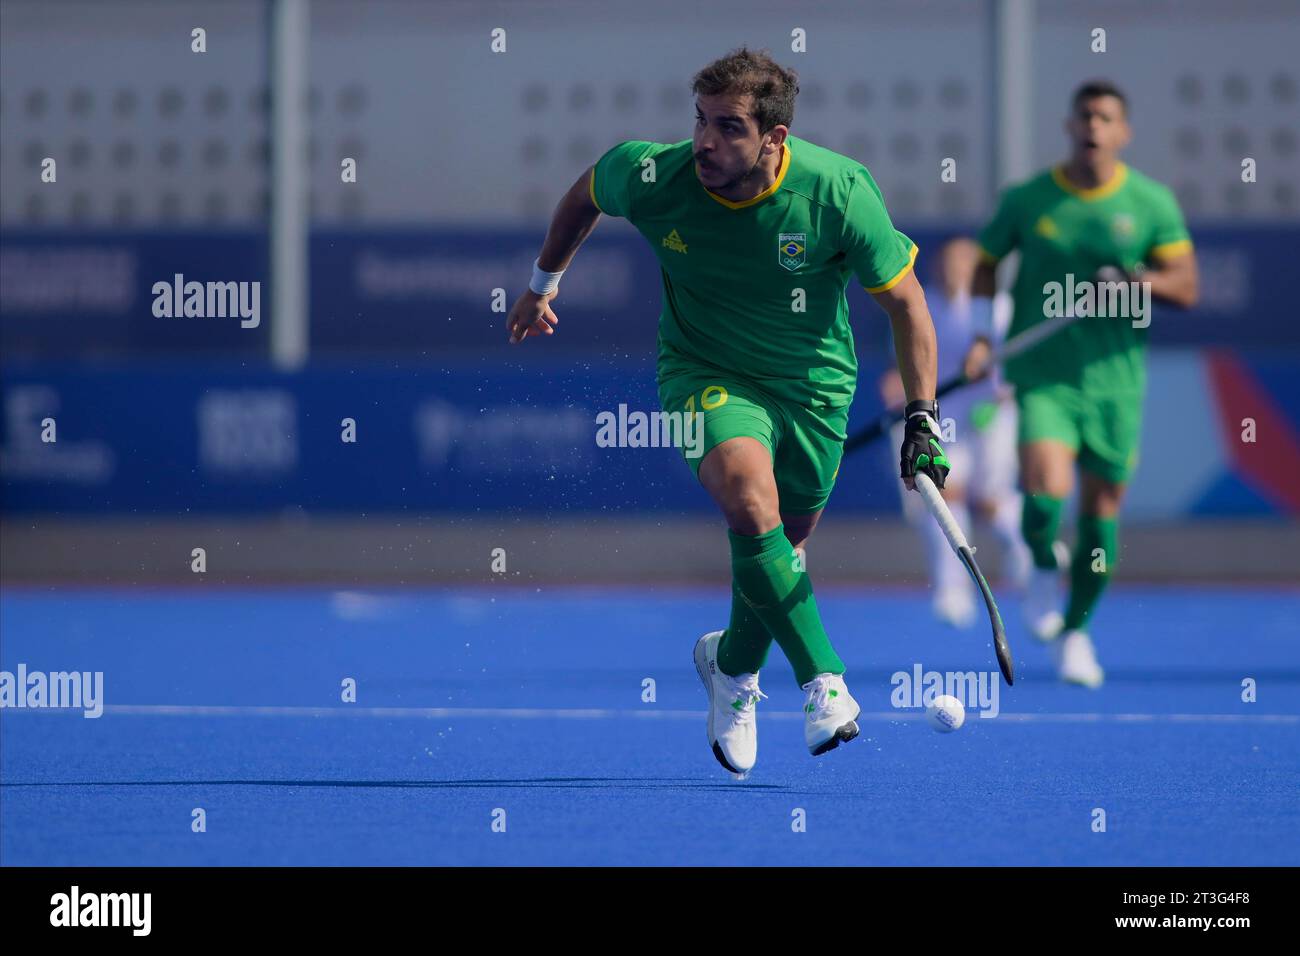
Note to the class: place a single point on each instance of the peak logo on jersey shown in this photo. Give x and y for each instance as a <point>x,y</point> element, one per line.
<point>674,242</point>
<point>1121,227</point>
<point>1046,228</point>
<point>792,249</point>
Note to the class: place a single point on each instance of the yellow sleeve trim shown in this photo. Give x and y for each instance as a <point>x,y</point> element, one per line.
<point>1170,250</point>
<point>987,257</point>
<point>911,260</point>
<point>591,188</point>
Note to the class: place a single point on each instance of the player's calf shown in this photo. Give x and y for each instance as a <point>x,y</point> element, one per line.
<point>1044,596</point>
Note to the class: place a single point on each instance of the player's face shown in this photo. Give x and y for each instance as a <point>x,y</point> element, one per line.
<point>727,144</point>
<point>1098,128</point>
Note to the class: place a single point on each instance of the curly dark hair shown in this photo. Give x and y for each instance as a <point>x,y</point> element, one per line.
<point>741,71</point>
<point>1095,88</point>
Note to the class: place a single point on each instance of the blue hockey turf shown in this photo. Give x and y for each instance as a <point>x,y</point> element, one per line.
<point>530,702</point>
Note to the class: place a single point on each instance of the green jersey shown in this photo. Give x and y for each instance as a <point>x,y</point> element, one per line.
<point>756,288</point>
<point>1062,231</point>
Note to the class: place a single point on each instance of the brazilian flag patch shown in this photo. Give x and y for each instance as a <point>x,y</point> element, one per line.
<point>792,249</point>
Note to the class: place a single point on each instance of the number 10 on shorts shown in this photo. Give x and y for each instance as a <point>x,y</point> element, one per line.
<point>710,398</point>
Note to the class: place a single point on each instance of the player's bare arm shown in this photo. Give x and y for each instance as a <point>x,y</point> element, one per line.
<point>917,356</point>
<point>914,343</point>
<point>575,217</point>
<point>1174,280</point>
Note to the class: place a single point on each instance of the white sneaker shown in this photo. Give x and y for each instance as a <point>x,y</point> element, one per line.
<point>955,606</point>
<point>1018,564</point>
<point>1076,661</point>
<point>830,714</point>
<point>1062,552</point>
<point>733,732</point>
<point>1043,600</point>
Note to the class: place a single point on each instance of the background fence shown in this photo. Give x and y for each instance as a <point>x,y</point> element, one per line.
<point>167,165</point>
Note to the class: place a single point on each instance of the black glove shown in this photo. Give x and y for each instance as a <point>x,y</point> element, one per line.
<point>921,449</point>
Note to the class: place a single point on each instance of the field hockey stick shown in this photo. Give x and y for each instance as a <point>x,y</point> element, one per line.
<point>935,503</point>
<point>1018,345</point>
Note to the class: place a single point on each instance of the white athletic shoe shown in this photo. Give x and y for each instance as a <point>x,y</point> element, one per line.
<point>1017,565</point>
<point>830,714</point>
<point>1062,552</point>
<point>733,732</point>
<point>1076,661</point>
<point>955,606</point>
<point>1043,601</point>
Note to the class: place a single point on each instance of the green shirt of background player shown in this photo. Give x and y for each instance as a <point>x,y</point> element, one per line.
<point>1089,220</point>
<point>757,234</point>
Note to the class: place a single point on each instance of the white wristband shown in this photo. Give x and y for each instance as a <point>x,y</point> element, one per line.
<point>543,282</point>
<point>935,430</point>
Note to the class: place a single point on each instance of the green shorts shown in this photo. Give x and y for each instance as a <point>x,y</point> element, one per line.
<point>1103,431</point>
<point>805,445</point>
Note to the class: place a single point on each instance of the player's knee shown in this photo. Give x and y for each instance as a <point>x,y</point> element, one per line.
<point>749,507</point>
<point>752,519</point>
<point>1100,497</point>
<point>1046,469</point>
<point>1045,482</point>
<point>1103,504</point>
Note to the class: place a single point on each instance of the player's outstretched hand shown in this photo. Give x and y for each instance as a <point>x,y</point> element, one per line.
<point>531,315</point>
<point>977,362</point>
<point>922,452</point>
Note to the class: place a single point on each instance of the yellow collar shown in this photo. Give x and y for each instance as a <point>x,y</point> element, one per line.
<point>776,184</point>
<point>1107,188</point>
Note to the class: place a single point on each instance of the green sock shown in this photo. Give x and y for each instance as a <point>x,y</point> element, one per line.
<point>743,648</point>
<point>1095,555</point>
<point>1038,524</point>
<point>763,569</point>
